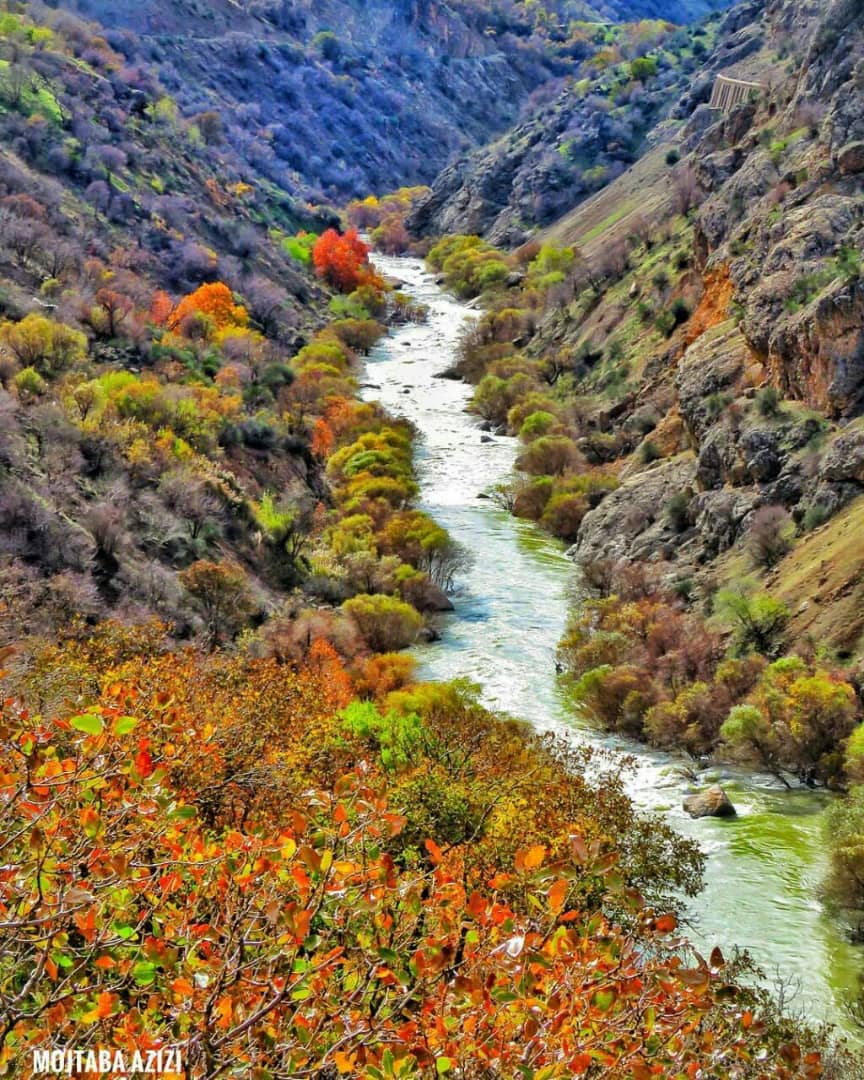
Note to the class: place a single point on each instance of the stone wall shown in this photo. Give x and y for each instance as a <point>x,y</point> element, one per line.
<point>728,93</point>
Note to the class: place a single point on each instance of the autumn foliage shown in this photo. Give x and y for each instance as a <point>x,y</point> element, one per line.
<point>343,261</point>
<point>643,665</point>
<point>211,854</point>
<point>214,301</point>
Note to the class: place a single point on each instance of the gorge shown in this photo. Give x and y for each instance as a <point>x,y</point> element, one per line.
<point>765,867</point>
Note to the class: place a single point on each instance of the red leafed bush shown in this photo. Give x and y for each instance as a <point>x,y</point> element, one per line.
<point>342,261</point>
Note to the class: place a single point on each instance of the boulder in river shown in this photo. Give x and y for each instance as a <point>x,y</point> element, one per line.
<point>434,599</point>
<point>712,802</point>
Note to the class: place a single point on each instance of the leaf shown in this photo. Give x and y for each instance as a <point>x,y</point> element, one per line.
<point>558,894</point>
<point>89,723</point>
<point>533,857</point>
<point>123,725</point>
<point>224,1012</point>
<point>76,895</point>
<point>182,987</point>
<point>144,764</point>
<point>103,1008</point>
<point>443,1065</point>
<point>144,972</point>
<point>604,1000</point>
<point>665,924</point>
<point>579,850</point>
<point>344,1062</point>
<point>435,853</point>
<point>90,821</point>
<point>86,923</point>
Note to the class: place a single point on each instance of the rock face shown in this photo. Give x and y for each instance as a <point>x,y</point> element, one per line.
<point>851,158</point>
<point>712,802</point>
<point>632,522</point>
<point>788,216</point>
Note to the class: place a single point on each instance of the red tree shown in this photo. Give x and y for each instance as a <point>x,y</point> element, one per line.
<point>343,261</point>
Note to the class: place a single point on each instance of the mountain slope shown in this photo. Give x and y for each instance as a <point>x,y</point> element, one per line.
<point>756,382</point>
<point>343,98</point>
<point>702,345</point>
<point>137,434</point>
<point>586,133</point>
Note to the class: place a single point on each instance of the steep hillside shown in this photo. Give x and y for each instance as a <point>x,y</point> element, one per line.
<point>586,132</point>
<point>710,320</point>
<point>343,98</point>
<point>165,378</point>
<point>771,359</point>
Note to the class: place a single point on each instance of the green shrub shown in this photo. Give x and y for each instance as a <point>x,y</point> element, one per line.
<point>536,425</point>
<point>757,620</point>
<point>768,401</point>
<point>299,247</point>
<point>396,736</point>
<point>665,323</point>
<point>643,68</point>
<point>815,516</point>
<point>678,509</point>
<point>29,383</point>
<point>386,623</point>
<point>680,311</point>
<point>648,452</point>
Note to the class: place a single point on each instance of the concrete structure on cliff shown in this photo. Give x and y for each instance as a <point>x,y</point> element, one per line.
<point>728,93</point>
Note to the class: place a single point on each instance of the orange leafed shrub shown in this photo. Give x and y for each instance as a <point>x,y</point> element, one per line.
<point>323,439</point>
<point>343,261</point>
<point>130,911</point>
<point>161,307</point>
<point>216,302</point>
<point>212,854</point>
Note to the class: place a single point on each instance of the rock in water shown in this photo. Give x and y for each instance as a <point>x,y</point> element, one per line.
<point>712,802</point>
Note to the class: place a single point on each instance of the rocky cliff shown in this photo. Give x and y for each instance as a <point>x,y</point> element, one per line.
<point>766,380</point>
<point>583,137</point>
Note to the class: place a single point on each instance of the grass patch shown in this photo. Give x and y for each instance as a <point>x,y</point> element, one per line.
<point>35,97</point>
<point>611,220</point>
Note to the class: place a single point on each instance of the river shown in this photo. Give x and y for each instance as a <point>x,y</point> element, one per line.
<point>764,867</point>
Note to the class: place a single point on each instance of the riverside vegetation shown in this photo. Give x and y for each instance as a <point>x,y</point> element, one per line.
<point>233,819</point>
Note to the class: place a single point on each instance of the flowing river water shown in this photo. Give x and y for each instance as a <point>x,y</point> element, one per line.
<point>763,867</point>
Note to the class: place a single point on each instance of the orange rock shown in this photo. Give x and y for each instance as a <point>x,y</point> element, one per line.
<point>713,308</point>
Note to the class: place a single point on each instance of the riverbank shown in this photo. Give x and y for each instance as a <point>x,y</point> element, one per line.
<point>764,868</point>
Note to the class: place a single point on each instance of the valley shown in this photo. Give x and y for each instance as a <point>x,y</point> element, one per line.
<point>431,488</point>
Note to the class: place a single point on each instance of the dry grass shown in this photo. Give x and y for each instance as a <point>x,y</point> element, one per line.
<point>644,191</point>
<point>822,582</point>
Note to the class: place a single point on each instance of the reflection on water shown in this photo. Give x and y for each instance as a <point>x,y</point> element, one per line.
<point>764,867</point>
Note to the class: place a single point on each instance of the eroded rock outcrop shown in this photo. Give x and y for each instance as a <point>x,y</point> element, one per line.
<point>632,522</point>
